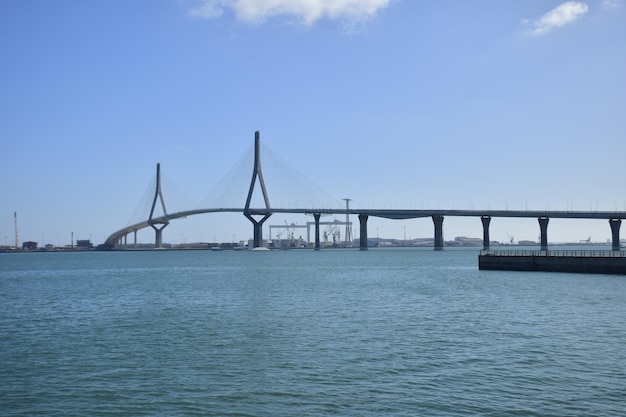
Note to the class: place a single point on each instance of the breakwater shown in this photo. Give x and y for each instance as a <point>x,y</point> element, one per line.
<point>577,261</point>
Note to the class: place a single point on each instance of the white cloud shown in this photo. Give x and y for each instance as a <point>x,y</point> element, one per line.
<point>562,15</point>
<point>612,4</point>
<point>306,12</point>
<point>207,10</point>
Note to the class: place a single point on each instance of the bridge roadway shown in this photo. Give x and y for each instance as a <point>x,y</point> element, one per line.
<point>543,216</point>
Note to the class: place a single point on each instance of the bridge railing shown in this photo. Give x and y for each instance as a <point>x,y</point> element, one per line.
<point>557,253</point>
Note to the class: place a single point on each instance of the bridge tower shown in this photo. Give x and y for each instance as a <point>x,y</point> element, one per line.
<point>257,173</point>
<point>158,225</point>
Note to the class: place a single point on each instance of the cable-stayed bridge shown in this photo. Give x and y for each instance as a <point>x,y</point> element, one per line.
<point>292,193</point>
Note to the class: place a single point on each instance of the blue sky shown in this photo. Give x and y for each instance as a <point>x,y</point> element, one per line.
<point>395,104</point>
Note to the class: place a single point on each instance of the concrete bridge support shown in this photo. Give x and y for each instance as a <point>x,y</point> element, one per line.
<point>438,222</point>
<point>317,216</point>
<point>486,220</point>
<point>363,235</point>
<point>615,225</point>
<point>257,225</point>
<point>543,228</point>
<point>158,238</point>
<point>158,235</point>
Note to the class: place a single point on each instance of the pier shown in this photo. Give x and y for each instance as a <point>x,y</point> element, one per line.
<point>576,261</point>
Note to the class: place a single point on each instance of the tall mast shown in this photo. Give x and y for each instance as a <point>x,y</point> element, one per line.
<point>15,226</point>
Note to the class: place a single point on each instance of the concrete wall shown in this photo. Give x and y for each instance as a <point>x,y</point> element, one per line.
<point>589,265</point>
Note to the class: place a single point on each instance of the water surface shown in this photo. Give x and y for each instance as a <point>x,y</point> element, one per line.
<point>336,332</point>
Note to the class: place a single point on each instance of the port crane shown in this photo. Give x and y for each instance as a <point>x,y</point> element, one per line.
<point>332,232</point>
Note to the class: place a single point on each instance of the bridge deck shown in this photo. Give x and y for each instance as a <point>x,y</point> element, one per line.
<point>396,214</point>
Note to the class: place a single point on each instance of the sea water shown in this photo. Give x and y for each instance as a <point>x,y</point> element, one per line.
<point>384,332</point>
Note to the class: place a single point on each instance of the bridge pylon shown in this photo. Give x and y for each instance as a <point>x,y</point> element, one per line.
<point>257,173</point>
<point>158,224</point>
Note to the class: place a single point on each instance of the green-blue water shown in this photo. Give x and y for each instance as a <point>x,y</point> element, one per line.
<point>305,333</point>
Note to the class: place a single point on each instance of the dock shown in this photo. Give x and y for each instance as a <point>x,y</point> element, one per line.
<point>573,261</point>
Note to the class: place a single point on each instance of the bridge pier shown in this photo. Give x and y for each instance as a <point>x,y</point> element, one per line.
<point>158,234</point>
<point>363,233</point>
<point>257,225</point>
<point>486,220</point>
<point>615,225</point>
<point>158,238</point>
<point>317,216</point>
<point>543,228</point>
<point>438,223</point>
